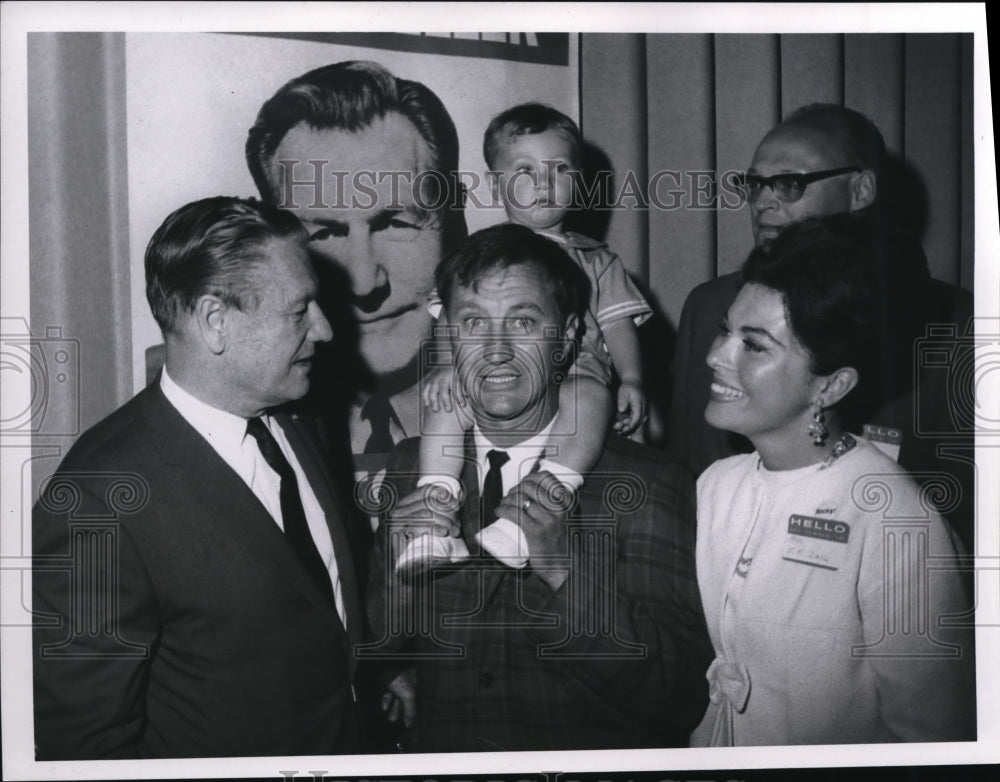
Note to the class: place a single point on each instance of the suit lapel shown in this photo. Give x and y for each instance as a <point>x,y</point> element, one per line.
<point>210,483</point>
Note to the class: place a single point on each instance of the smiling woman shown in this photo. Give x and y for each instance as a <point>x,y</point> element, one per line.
<point>802,580</point>
<point>763,384</point>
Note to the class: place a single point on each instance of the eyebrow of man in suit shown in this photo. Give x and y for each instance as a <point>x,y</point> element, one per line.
<point>190,625</point>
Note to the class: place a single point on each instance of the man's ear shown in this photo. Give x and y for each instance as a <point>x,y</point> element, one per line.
<point>442,332</point>
<point>211,316</point>
<point>837,385</point>
<point>864,188</point>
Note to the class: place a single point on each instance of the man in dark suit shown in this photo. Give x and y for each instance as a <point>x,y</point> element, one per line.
<point>825,159</point>
<point>195,588</point>
<point>589,634</point>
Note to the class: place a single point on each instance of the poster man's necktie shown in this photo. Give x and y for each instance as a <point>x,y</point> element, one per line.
<point>378,412</point>
<point>293,517</point>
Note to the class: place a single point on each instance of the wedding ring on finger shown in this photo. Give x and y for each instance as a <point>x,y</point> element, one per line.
<point>525,505</point>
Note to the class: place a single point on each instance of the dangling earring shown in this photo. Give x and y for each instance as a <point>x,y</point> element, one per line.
<point>817,429</point>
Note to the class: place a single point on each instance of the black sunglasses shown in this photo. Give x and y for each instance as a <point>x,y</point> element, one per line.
<point>787,187</point>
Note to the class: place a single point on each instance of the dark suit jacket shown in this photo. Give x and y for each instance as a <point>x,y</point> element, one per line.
<point>615,658</point>
<point>173,618</point>
<point>921,404</point>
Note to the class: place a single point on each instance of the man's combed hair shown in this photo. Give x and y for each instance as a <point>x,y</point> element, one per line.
<point>857,134</point>
<point>206,247</point>
<point>347,96</point>
<point>852,296</point>
<point>529,119</point>
<point>506,245</point>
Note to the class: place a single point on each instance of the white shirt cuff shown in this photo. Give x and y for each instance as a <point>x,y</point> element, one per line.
<point>571,478</point>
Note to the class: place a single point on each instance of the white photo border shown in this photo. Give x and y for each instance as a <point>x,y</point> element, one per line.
<point>20,18</point>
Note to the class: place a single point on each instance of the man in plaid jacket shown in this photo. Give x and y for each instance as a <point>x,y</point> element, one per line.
<point>589,633</point>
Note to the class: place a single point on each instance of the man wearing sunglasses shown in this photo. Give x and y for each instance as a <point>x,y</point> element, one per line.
<point>826,159</point>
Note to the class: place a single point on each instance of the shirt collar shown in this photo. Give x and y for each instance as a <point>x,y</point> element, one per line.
<point>574,240</point>
<point>223,430</point>
<point>523,456</point>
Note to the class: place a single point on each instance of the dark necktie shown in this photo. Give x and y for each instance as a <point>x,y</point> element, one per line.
<point>378,413</point>
<point>293,517</point>
<point>493,487</point>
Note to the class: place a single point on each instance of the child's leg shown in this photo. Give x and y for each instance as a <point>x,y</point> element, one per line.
<point>582,423</point>
<point>442,440</point>
<point>441,446</point>
<point>442,430</point>
<point>575,442</point>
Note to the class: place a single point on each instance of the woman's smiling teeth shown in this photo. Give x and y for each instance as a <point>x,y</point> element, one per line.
<point>726,392</point>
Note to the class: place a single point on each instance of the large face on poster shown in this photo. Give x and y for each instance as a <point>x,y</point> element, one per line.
<point>364,154</point>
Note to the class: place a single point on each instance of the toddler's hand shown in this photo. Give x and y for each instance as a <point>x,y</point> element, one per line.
<point>437,390</point>
<point>631,408</point>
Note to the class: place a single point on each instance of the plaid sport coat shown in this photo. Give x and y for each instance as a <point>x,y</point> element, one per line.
<point>615,658</point>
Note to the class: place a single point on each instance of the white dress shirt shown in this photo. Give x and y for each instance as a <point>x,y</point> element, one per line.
<point>504,538</point>
<point>524,457</point>
<point>227,434</point>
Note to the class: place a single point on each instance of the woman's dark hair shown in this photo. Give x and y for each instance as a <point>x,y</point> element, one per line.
<point>853,297</point>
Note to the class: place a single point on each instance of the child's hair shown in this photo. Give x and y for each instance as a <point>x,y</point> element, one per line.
<point>528,119</point>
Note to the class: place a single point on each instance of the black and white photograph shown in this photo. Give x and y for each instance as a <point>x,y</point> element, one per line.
<point>388,393</point>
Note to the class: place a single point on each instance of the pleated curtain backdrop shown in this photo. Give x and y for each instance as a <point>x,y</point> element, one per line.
<point>78,217</point>
<point>77,235</point>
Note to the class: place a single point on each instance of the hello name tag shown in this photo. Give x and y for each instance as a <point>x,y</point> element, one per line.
<point>885,438</point>
<point>815,541</point>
